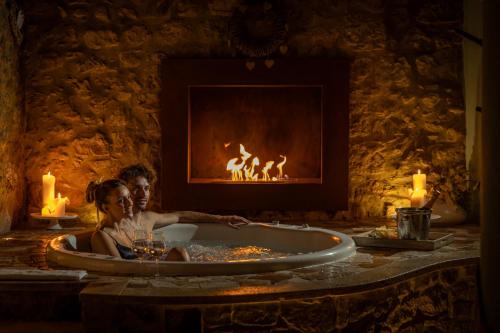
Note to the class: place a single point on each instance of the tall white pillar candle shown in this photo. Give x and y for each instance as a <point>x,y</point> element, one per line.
<point>419,181</point>
<point>418,198</point>
<point>48,189</point>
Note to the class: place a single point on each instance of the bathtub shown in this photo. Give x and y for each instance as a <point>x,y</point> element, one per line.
<point>313,245</point>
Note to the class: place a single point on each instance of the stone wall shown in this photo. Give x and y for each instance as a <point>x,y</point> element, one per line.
<point>11,121</point>
<point>444,300</point>
<point>92,87</point>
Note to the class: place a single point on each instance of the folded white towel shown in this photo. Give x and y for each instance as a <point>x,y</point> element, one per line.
<point>38,274</point>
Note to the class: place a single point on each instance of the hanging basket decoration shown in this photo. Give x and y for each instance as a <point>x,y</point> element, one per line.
<point>257,30</point>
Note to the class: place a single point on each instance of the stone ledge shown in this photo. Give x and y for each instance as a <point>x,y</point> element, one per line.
<point>424,301</point>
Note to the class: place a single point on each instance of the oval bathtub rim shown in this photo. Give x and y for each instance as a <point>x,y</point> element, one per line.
<point>100,263</point>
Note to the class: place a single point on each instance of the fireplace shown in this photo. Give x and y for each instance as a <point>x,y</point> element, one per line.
<point>240,135</point>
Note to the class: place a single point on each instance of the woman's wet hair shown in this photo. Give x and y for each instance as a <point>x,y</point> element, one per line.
<point>98,192</point>
<point>137,170</point>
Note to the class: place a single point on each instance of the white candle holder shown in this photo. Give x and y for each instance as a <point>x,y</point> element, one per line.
<point>53,220</point>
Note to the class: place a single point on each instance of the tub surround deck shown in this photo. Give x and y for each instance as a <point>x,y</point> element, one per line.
<point>381,287</point>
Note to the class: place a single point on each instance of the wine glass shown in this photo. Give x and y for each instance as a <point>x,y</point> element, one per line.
<point>140,243</point>
<point>156,249</point>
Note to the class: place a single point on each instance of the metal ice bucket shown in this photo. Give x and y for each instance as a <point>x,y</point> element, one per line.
<point>413,223</point>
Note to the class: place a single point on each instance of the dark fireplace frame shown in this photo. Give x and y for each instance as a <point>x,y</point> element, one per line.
<point>177,75</point>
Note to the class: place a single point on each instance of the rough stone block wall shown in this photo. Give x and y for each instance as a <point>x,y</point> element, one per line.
<point>11,122</point>
<point>92,87</point>
<point>444,300</point>
<point>440,301</point>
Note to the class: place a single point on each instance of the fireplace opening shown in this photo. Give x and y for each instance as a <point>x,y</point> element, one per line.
<point>238,137</point>
<point>255,134</point>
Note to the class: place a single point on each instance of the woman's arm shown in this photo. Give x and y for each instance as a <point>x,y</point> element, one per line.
<point>103,244</point>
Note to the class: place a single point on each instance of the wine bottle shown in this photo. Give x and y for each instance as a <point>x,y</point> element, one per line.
<point>435,194</point>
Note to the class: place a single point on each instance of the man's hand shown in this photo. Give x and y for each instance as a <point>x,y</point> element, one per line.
<point>233,221</point>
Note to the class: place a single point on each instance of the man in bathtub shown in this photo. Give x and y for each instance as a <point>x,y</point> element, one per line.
<point>139,180</point>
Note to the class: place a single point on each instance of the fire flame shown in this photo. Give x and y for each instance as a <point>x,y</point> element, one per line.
<point>243,172</point>
<point>265,174</point>
<point>280,166</point>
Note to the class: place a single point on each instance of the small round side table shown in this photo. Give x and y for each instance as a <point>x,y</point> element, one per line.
<point>54,220</point>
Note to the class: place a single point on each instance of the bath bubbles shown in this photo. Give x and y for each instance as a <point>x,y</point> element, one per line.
<point>211,251</point>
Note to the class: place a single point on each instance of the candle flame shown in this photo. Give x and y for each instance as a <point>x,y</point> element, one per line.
<point>418,171</point>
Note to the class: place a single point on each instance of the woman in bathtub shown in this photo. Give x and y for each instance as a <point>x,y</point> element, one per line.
<point>115,233</point>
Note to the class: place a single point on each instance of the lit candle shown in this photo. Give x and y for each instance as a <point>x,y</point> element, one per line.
<point>49,182</point>
<point>50,209</point>
<point>419,181</point>
<point>47,211</point>
<point>418,198</point>
<point>60,205</point>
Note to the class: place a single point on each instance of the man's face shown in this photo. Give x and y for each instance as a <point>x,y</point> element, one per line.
<point>139,191</point>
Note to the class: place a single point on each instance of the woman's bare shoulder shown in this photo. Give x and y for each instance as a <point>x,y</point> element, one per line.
<point>100,235</point>
<point>102,243</point>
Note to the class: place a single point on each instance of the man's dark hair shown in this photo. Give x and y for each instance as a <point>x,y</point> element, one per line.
<point>132,171</point>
